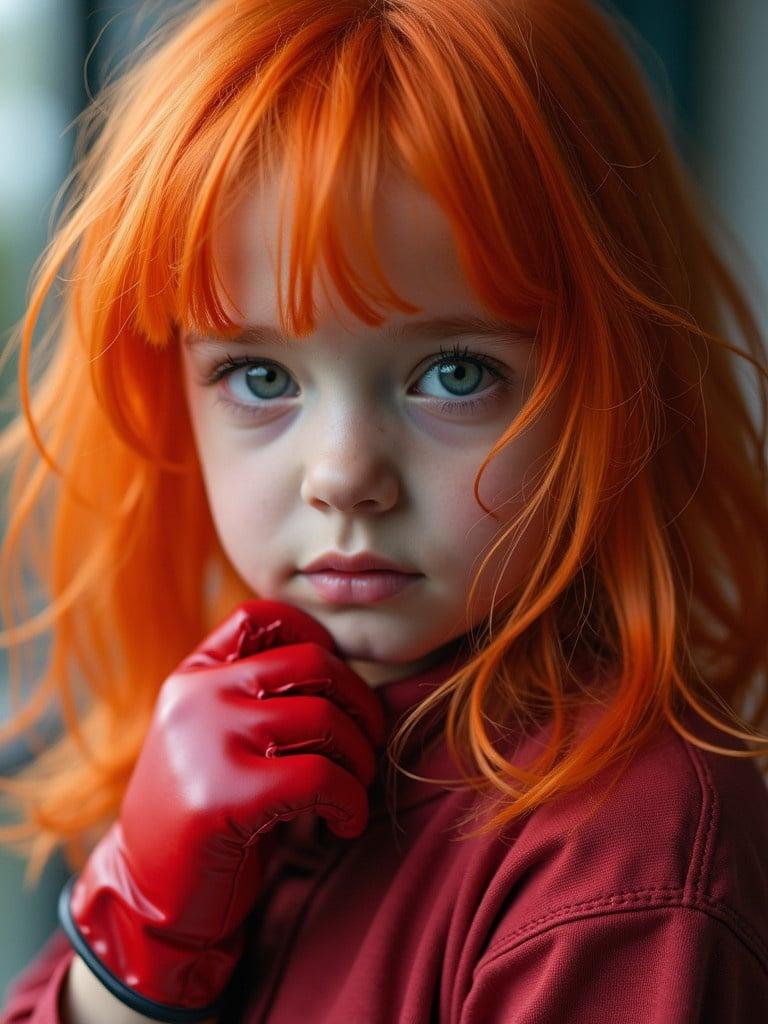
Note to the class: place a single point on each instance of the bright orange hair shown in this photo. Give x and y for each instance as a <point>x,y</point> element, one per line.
<point>532,126</point>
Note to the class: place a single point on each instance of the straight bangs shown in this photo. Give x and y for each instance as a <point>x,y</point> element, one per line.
<point>531,127</point>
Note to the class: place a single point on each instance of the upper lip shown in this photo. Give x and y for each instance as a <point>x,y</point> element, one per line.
<point>360,562</point>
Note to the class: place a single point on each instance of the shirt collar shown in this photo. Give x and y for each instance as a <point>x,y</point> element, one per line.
<point>398,697</point>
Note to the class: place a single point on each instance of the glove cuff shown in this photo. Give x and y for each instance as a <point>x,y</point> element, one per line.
<point>148,1007</point>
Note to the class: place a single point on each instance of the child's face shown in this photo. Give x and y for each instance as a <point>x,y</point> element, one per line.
<point>345,446</point>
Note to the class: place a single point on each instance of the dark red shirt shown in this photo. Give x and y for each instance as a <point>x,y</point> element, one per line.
<point>645,902</point>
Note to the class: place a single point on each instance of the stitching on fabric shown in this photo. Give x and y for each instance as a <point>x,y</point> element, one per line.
<point>667,897</point>
<point>704,835</point>
<point>714,804</point>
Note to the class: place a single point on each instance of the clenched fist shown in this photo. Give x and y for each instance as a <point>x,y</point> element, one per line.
<point>260,723</point>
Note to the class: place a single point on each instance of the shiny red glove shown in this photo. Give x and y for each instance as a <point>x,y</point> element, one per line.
<point>261,723</point>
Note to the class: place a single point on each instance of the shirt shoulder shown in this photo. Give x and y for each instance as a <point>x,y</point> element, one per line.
<point>669,964</point>
<point>674,825</point>
<point>653,871</point>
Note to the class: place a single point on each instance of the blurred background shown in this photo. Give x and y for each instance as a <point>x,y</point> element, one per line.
<point>706,65</point>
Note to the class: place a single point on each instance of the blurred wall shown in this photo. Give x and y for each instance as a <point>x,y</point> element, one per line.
<point>41,56</point>
<point>731,72</point>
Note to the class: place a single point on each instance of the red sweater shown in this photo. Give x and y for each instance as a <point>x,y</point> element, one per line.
<point>654,911</point>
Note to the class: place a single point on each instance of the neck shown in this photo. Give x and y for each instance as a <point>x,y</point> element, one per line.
<point>378,673</point>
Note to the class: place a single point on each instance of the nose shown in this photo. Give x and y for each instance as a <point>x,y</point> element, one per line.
<point>350,461</point>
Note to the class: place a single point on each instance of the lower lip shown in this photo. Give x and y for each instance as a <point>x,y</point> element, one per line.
<point>359,587</point>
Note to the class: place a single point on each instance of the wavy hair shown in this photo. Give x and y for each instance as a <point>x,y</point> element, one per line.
<point>532,126</point>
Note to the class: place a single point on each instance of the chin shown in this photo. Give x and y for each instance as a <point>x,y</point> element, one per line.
<point>376,673</point>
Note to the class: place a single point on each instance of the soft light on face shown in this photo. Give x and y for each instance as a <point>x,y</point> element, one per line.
<point>352,440</point>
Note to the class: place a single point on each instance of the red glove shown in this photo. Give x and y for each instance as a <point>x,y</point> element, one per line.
<point>158,910</point>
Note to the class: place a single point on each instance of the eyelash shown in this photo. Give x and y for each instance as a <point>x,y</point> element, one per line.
<point>230,364</point>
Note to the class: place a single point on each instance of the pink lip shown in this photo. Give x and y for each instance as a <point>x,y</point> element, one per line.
<point>359,587</point>
<point>362,561</point>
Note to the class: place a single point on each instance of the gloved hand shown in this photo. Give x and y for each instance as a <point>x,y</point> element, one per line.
<point>261,723</point>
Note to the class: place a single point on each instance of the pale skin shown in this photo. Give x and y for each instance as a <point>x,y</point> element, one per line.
<point>355,441</point>
<point>84,1000</point>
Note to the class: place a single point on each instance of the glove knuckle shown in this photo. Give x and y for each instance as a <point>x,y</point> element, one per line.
<point>320,772</point>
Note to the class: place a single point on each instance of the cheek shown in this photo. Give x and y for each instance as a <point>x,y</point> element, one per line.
<point>242,485</point>
<point>244,493</point>
<point>505,486</point>
<point>248,505</point>
<point>511,476</point>
<point>236,480</point>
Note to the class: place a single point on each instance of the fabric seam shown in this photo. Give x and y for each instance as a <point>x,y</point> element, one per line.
<point>719,912</point>
<point>691,897</point>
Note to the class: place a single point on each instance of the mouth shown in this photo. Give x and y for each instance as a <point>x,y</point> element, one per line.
<point>367,587</point>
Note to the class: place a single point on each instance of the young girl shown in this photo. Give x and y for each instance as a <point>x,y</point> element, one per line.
<point>487,506</point>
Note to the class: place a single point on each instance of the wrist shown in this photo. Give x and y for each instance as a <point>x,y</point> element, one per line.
<point>129,997</point>
<point>84,1000</point>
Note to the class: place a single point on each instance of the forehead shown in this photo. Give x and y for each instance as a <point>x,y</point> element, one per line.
<point>413,242</point>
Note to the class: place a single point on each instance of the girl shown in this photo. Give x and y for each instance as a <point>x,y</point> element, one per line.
<point>489,507</point>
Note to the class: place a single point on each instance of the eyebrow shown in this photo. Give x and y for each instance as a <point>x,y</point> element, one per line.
<point>450,325</point>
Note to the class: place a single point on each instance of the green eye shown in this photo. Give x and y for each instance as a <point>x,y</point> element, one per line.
<point>458,370</point>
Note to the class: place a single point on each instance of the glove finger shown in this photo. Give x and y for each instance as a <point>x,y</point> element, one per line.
<point>308,669</point>
<point>311,783</point>
<point>254,626</point>
<point>309,725</point>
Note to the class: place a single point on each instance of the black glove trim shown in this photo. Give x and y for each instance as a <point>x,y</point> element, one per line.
<point>157,1011</point>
